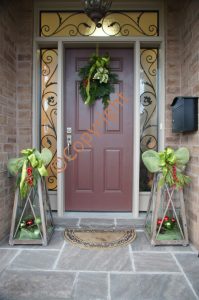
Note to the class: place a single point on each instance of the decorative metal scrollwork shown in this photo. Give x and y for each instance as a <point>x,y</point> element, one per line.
<point>49,109</point>
<point>137,23</point>
<point>148,109</point>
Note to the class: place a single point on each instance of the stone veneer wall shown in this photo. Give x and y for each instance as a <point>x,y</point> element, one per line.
<point>16,27</point>
<point>182,79</point>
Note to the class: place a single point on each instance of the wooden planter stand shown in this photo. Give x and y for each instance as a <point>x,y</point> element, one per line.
<point>166,203</point>
<point>32,221</point>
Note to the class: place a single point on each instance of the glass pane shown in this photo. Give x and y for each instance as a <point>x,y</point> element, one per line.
<point>49,110</point>
<point>137,23</point>
<point>148,110</point>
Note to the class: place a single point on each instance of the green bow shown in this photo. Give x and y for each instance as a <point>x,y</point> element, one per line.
<point>33,158</point>
<point>101,73</point>
<point>165,162</point>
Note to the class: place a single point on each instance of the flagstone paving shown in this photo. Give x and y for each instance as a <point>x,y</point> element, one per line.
<point>62,271</point>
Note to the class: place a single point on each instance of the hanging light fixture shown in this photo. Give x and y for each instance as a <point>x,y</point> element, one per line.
<point>96,9</point>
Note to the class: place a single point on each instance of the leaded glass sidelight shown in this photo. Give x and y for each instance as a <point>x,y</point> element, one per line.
<point>49,110</point>
<point>148,110</point>
<point>135,23</point>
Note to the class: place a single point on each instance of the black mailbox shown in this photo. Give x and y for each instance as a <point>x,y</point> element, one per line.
<point>185,114</point>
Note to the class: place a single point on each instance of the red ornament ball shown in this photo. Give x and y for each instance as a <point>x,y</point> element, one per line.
<point>159,221</point>
<point>173,220</point>
<point>30,180</point>
<point>29,171</point>
<point>29,222</point>
<point>166,218</point>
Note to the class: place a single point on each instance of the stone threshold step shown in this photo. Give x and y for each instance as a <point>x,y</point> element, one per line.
<point>98,222</point>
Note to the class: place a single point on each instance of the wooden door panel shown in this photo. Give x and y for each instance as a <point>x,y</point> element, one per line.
<point>84,170</point>
<point>115,116</point>
<point>100,178</point>
<point>112,165</point>
<point>83,116</point>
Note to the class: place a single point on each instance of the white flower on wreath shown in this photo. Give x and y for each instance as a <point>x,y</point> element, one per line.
<point>101,75</point>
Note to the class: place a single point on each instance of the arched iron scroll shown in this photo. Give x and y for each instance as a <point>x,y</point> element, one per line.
<point>136,23</point>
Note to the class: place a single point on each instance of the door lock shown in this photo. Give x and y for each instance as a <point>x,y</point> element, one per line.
<point>69,141</point>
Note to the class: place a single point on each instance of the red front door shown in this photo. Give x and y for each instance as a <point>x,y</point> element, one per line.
<point>99,177</point>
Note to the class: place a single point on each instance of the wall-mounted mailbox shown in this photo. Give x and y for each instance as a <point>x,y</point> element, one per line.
<point>185,114</point>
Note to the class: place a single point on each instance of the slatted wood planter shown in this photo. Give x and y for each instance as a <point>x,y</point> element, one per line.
<point>32,221</point>
<point>165,222</point>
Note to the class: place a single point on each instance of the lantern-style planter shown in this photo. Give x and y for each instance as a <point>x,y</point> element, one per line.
<point>165,222</point>
<point>32,221</point>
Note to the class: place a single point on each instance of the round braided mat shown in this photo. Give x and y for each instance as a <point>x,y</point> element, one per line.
<point>100,239</point>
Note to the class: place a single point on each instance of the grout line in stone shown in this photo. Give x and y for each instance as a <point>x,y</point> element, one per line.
<point>133,251</point>
<point>29,249</point>
<point>78,223</point>
<point>185,276</point>
<point>13,258</point>
<point>75,283</point>
<point>98,272</point>
<point>109,286</point>
<point>132,258</point>
<point>58,256</point>
<point>157,272</point>
<point>162,251</point>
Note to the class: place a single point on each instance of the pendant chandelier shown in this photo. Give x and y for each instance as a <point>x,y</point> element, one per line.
<point>96,9</point>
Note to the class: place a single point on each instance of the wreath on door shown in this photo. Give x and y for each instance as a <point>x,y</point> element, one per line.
<point>97,80</point>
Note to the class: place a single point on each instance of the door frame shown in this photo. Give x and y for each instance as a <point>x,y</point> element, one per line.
<point>61,43</point>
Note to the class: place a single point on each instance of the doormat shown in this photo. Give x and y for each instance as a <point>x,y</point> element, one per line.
<point>100,239</point>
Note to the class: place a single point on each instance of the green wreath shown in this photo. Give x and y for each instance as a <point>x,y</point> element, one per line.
<point>97,80</point>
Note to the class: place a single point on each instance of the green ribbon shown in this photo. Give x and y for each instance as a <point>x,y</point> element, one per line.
<point>167,157</point>
<point>33,157</point>
<point>164,162</point>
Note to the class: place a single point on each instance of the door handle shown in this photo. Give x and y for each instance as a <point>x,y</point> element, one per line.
<point>69,147</point>
<point>69,142</point>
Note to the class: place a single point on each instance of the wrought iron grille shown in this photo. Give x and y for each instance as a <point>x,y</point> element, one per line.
<point>49,110</point>
<point>136,23</point>
<point>148,110</point>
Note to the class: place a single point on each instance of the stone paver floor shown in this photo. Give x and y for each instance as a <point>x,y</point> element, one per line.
<point>62,271</point>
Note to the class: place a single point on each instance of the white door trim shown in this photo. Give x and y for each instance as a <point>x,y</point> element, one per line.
<point>136,135</point>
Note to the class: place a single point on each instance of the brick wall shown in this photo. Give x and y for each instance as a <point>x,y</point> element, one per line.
<point>182,79</point>
<point>15,94</point>
<point>24,75</point>
<point>8,75</point>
